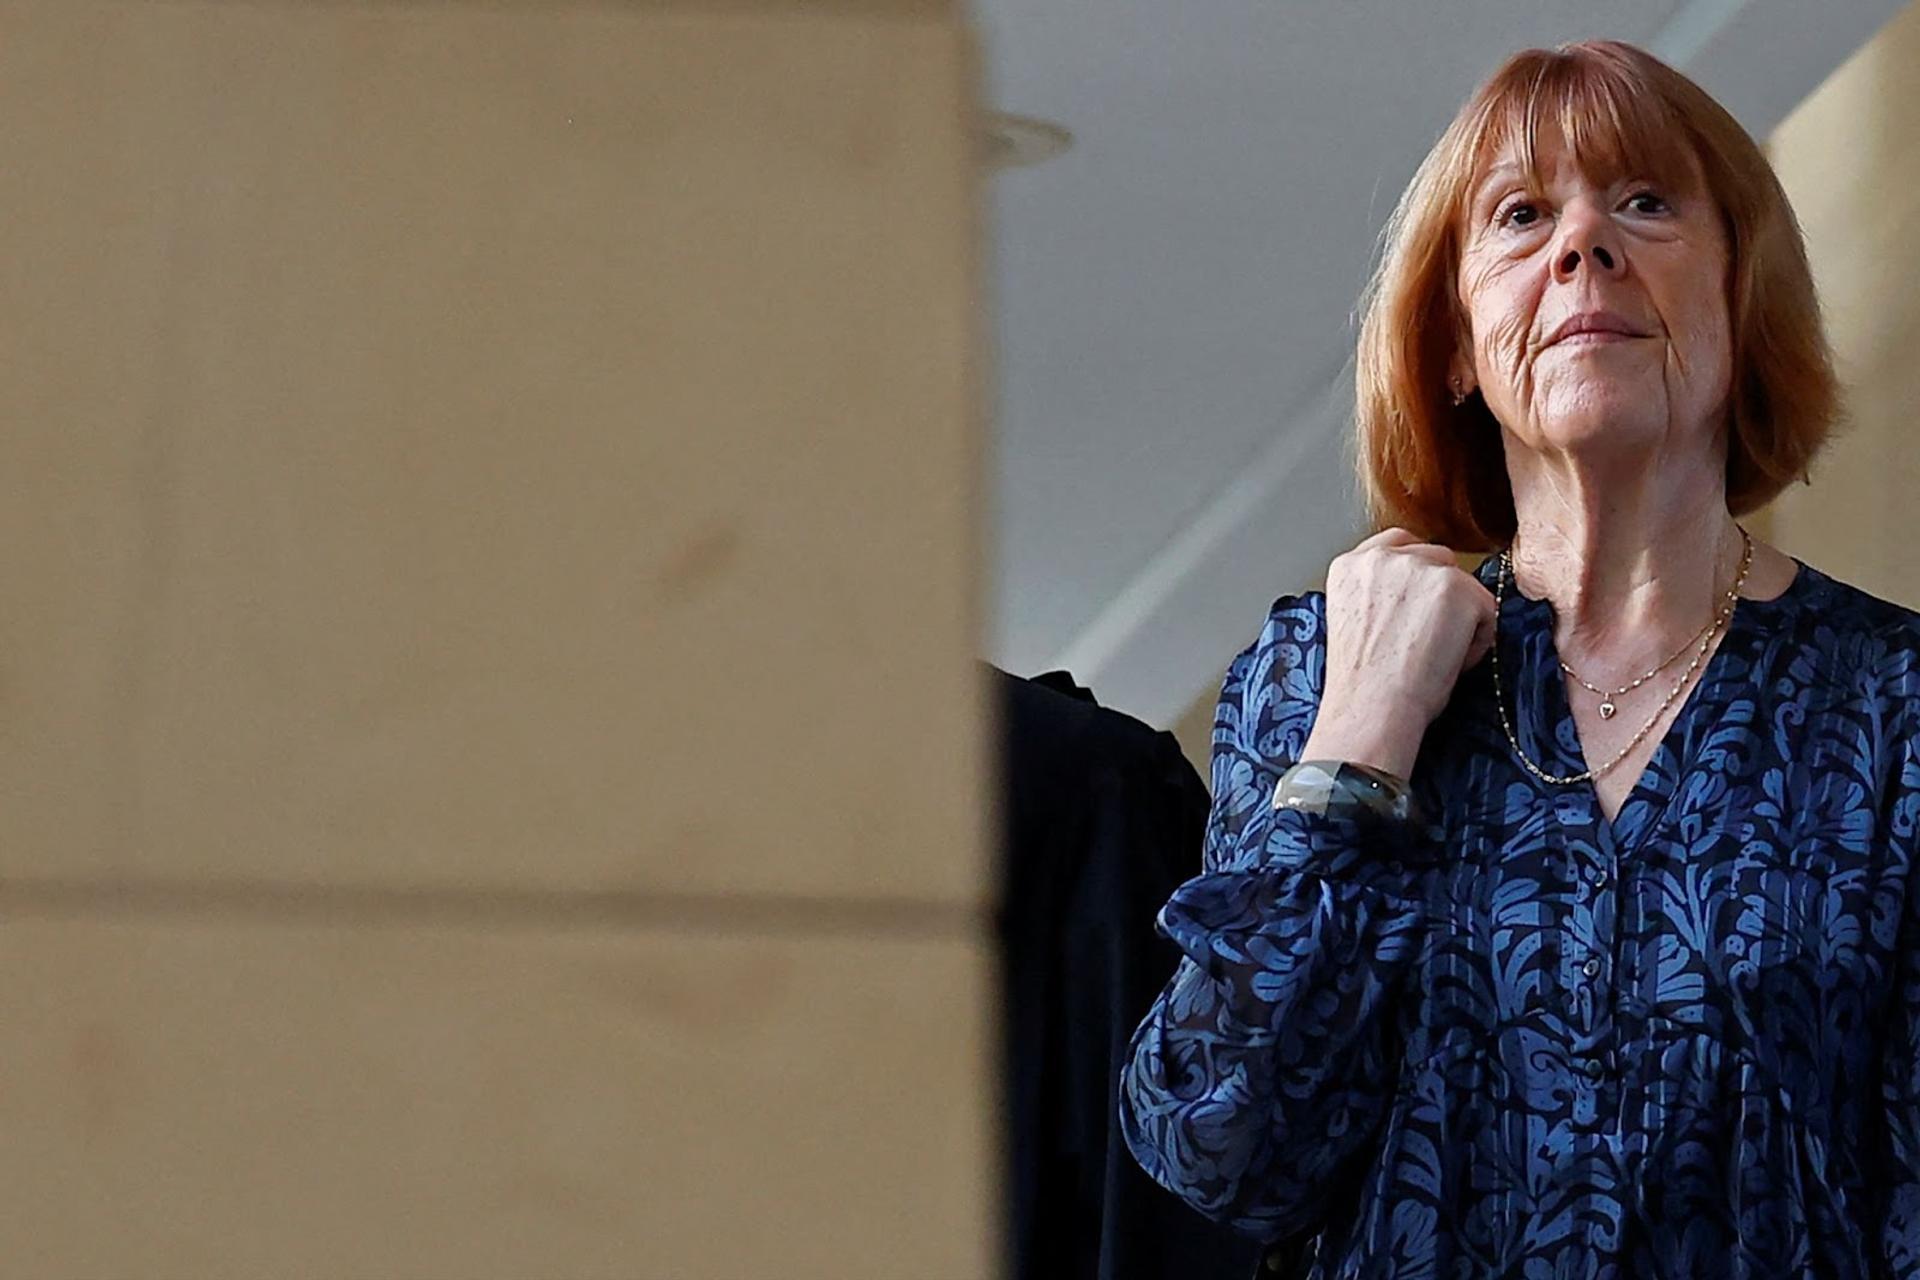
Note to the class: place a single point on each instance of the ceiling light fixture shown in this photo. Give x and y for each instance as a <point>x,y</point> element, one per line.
<point>1011,141</point>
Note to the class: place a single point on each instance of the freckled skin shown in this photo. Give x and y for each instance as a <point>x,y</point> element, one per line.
<point>1654,254</point>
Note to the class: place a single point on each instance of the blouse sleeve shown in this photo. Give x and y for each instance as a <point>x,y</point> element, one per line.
<point>1263,1070</point>
<point>1900,1065</point>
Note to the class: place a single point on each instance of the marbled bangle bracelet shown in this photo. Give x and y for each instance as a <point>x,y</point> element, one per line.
<point>1320,786</point>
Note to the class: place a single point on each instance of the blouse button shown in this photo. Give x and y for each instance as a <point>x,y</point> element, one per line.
<point>1597,876</point>
<point>1593,1068</point>
<point>1592,967</point>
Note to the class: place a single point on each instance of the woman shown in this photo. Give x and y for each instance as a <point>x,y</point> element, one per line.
<point>1556,916</point>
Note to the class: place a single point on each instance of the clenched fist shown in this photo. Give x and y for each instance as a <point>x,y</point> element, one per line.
<point>1403,621</point>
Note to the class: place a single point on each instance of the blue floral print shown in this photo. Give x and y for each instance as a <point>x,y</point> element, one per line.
<point>1521,1039</point>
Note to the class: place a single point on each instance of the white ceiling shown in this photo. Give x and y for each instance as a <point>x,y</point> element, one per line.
<point>1173,298</point>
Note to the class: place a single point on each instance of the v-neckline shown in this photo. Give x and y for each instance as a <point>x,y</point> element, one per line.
<point>1652,793</point>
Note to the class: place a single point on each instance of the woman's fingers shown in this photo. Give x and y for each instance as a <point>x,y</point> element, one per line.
<point>1406,542</point>
<point>1429,551</point>
<point>1390,537</point>
<point>1485,626</point>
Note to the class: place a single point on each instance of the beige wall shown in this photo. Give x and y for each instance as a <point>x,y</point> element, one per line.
<point>476,805</point>
<point>1850,159</point>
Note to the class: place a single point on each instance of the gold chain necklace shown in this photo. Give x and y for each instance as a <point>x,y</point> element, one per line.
<point>1714,628</point>
<point>1608,707</point>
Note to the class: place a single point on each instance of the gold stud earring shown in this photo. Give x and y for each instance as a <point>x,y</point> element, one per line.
<point>1459,395</point>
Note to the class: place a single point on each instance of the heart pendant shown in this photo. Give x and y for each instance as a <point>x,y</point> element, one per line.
<point>1607,709</point>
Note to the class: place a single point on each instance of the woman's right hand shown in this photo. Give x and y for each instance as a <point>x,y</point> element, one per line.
<point>1403,621</point>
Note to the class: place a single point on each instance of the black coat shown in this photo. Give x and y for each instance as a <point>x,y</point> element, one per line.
<point>1102,817</point>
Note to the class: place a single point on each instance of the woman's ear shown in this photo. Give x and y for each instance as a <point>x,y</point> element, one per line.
<point>1461,382</point>
<point>1461,379</point>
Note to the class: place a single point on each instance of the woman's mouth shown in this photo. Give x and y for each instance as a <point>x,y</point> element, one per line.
<point>1595,328</point>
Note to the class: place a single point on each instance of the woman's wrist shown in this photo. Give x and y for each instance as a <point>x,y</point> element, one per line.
<point>1380,741</point>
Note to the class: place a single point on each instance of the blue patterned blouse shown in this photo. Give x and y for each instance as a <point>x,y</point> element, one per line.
<point>1522,1040</point>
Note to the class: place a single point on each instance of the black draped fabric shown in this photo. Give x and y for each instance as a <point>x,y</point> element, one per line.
<point>1103,819</point>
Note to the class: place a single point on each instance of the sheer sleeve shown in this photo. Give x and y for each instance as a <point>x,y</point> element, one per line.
<point>1262,1072</point>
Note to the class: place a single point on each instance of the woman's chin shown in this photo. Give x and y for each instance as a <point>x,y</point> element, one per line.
<point>1606,417</point>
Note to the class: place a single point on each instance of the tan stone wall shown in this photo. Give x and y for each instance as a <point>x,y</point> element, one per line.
<point>487,618</point>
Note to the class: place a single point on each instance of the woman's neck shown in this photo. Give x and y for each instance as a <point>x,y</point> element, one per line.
<point>1633,564</point>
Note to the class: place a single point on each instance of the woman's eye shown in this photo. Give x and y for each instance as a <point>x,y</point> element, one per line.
<point>1646,202</point>
<point>1521,213</point>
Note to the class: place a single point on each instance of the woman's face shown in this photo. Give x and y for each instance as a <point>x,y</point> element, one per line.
<point>1597,313</point>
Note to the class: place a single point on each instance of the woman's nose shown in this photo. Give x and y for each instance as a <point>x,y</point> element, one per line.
<point>1602,258</point>
<point>1587,242</point>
